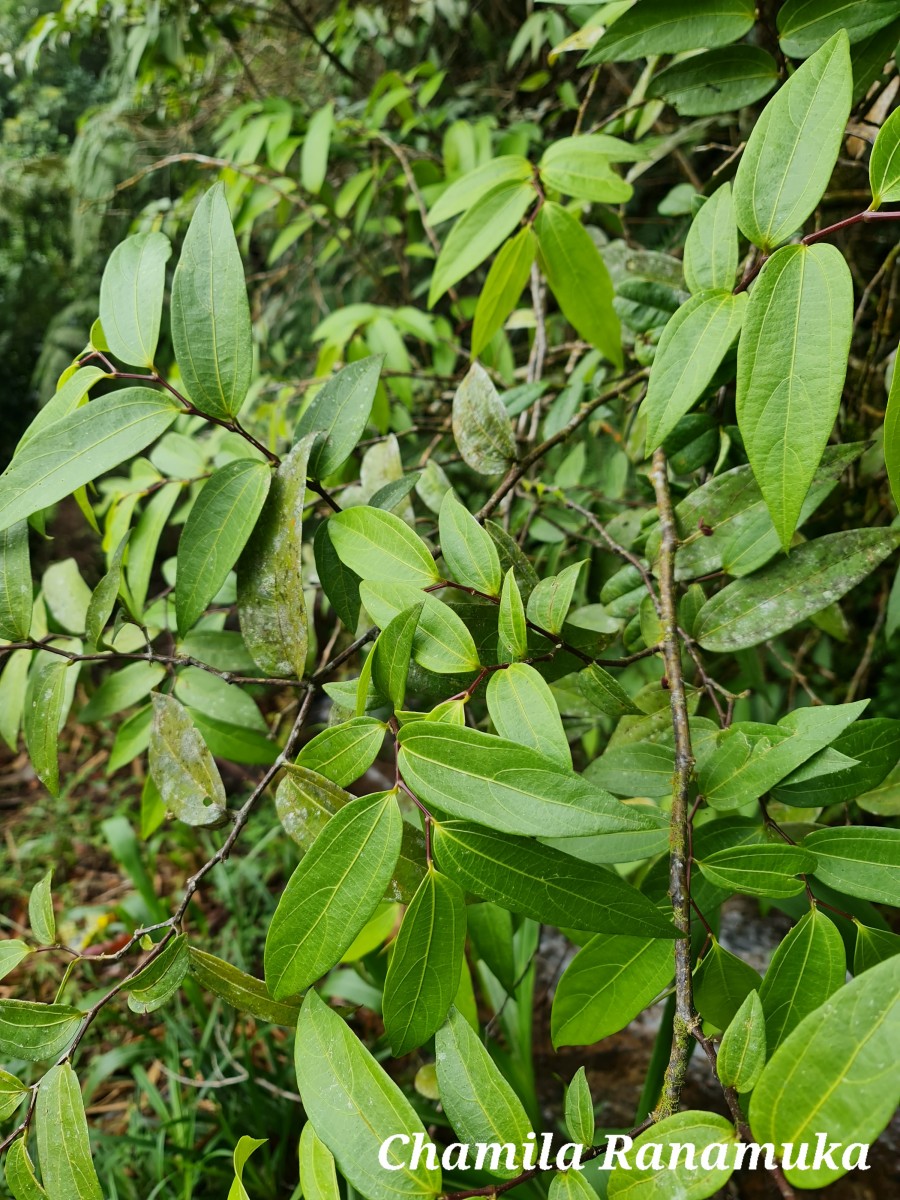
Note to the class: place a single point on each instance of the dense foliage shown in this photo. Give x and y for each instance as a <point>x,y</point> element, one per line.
<point>483,426</point>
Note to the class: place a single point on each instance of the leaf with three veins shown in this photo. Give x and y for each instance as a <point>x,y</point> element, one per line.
<point>467,550</point>
<point>16,589</point>
<point>182,766</point>
<point>132,291</point>
<point>62,1137</point>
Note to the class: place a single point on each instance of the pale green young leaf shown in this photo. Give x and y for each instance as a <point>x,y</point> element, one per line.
<point>131,297</point>
<point>392,655</point>
<point>332,893</point>
<point>423,973</point>
<point>884,162</point>
<point>792,361</point>
<point>722,982</point>
<point>12,952</point>
<point>742,1051</point>
<point>578,166</point>
<point>803,25</point>
<point>580,1120</point>
<point>316,145</point>
<point>12,1093</point>
<point>242,1151</point>
<point>690,351</point>
<point>13,685</point>
<point>467,550</point>
<point>791,152</point>
<point>36,1032</point>
<point>578,278</point>
<point>66,595</point>
<point>464,192</point>
<point>62,1136</point>
<point>481,426</point>
<point>216,531</point>
<point>20,1177</point>
<point>835,1074</point>
<point>545,884</point>
<point>711,247</point>
<point>490,221</point>
<point>716,81</point>
<point>442,643</point>
<point>354,1107</point>
<point>509,787</point>
<point>752,610</point>
<point>41,917</point>
<point>240,990</point>
<point>68,397</point>
<point>808,967</point>
<point>158,982</point>
<point>892,431</point>
<point>210,313</point>
<point>123,689</point>
<point>480,1103</point>
<point>318,1177</point>
<point>861,861</point>
<point>765,870</point>
<point>81,446</point>
<point>144,541</point>
<point>608,982</point>
<point>16,590</point>
<point>343,752</point>
<point>205,693</point>
<point>695,1129</point>
<point>379,546</point>
<point>511,619</point>
<point>604,692</point>
<point>523,710</point>
<point>271,604</point>
<point>45,705</point>
<point>339,413</point>
<point>182,766</point>
<point>502,288</point>
<point>549,602</point>
<point>104,596</point>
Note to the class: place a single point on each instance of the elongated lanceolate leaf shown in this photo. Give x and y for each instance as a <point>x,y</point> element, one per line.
<point>20,1177</point>
<point>892,432</point>
<point>16,590</point>
<point>803,25</point>
<point>131,297</point>
<point>502,288</point>
<point>182,766</point>
<point>318,1178</point>
<point>858,860</point>
<point>658,27</point>
<point>338,414</point>
<point>523,710</point>
<point>742,1051</point>
<point>240,990</point>
<point>467,550</point>
<point>808,966</point>
<point>160,979</point>
<point>62,1137</point>
<point>45,705</point>
<point>36,1032</point>
<point>379,546</point>
<point>716,81</point>
<point>711,247</point>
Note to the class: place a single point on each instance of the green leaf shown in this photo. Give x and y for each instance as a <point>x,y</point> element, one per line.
<point>332,893</point>
<point>442,643</point>
<point>721,984</point>
<point>605,693</point>
<point>716,81</point>
<point>213,697</point>
<point>20,1177</point>
<point>392,655</point>
<point>104,596</point>
<point>875,745</point>
<point>835,1075</point>
<point>509,787</point>
<point>580,1120</point>
<point>379,546</point>
<point>549,602</point>
<point>808,967</point>
<point>711,247</point>
<point>339,413</point>
<point>240,990</point>
<point>68,397</point>
<point>210,313</point>
<point>792,361</point>
<point>481,426</point>
<point>131,297</point>
<point>766,870</point>
<point>62,1137</point>
<point>12,952</point>
<point>339,583</point>
<point>527,877</point>
<point>144,541</point>
<point>884,162</point>
<point>502,288</point>
<point>749,611</point>
<point>316,144</point>
<point>742,1050</point>
<point>872,947</point>
<point>342,753</point>
<point>892,436</point>
<point>578,166</point>
<point>467,550</point>
<point>158,982</point>
<point>215,533</point>
<point>791,152</point>
<point>511,621</point>
<point>690,351</point>
<point>13,685</point>
<point>655,27</point>
<point>481,1105</point>
<point>242,1151</point>
<point>803,25</point>
<point>423,975</point>
<point>858,860</point>
<point>76,449</point>
<point>36,1032</point>
<point>490,221</point>
<point>271,604</point>
<point>318,1178</point>
<point>66,594</point>
<point>45,705</point>
<point>466,191</point>
<point>230,741</point>
<point>41,917</point>
<point>16,590</point>
<point>354,1107</point>
<point>578,278</point>
<point>570,1185</point>
<point>608,982</point>
<point>12,1093</point>
<point>182,767</point>
<point>695,1129</point>
<point>524,711</point>
<point>123,689</point>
